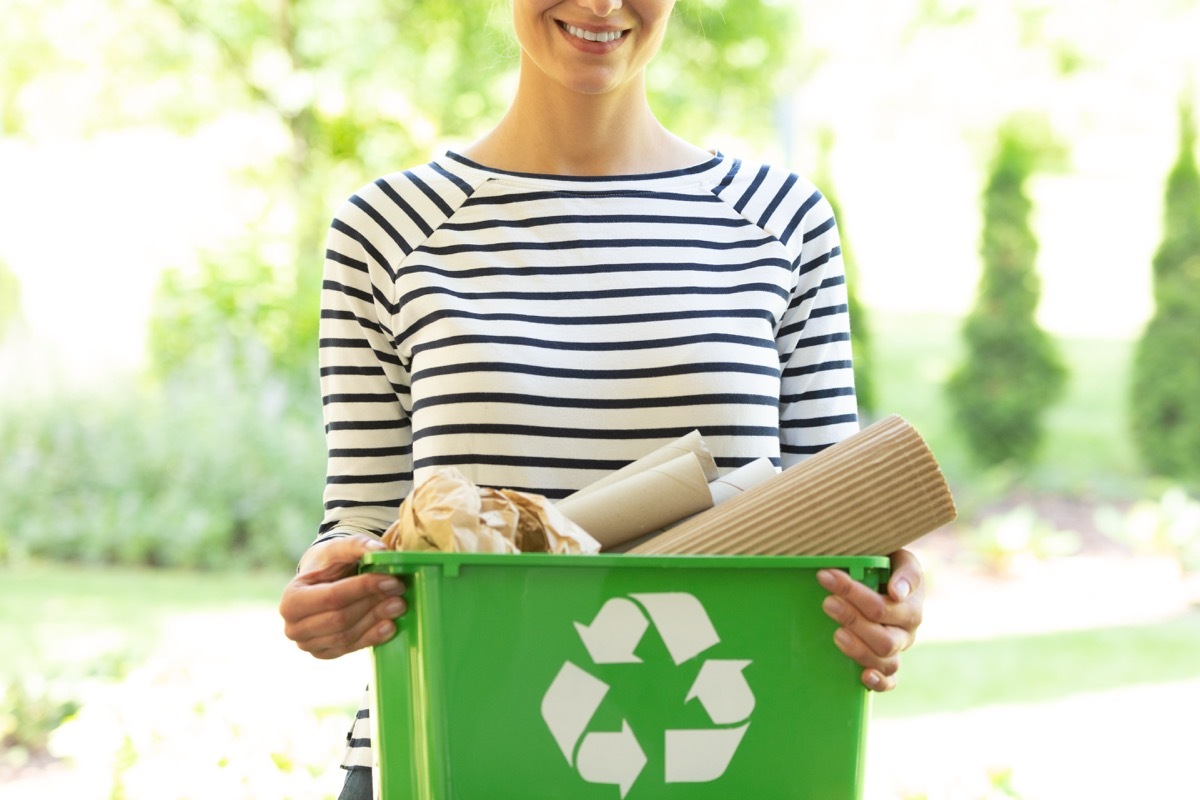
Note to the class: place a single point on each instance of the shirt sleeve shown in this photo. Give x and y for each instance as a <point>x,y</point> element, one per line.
<point>363,384</point>
<point>817,405</point>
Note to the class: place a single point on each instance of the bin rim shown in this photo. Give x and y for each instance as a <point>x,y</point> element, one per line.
<point>390,560</point>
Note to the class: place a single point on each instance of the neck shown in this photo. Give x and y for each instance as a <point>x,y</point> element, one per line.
<point>551,130</point>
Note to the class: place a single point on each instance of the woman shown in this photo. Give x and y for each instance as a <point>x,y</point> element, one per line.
<point>557,299</point>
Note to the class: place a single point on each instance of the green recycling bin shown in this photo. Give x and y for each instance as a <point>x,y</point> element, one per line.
<point>608,677</point>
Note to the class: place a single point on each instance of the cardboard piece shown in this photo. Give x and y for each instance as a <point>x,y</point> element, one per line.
<point>870,494</point>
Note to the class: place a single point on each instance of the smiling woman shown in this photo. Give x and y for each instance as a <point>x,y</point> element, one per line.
<point>570,291</point>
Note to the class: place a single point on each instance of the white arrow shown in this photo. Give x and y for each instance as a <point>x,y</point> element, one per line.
<point>614,633</point>
<point>723,691</point>
<point>701,756</point>
<point>614,758</point>
<point>569,704</point>
<point>682,623</point>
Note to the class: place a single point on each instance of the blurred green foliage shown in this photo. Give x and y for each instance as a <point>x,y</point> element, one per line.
<point>1012,372</point>
<point>860,326</point>
<point>200,471</point>
<point>1165,399</point>
<point>10,300</point>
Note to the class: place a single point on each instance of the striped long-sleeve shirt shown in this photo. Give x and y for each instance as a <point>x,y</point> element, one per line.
<point>537,332</point>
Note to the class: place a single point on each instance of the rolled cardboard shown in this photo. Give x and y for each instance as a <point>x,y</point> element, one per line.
<point>870,494</point>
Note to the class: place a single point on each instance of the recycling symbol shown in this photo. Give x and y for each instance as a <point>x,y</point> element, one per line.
<point>616,757</point>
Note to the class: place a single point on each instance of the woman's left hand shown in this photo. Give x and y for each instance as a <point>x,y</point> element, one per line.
<point>876,628</point>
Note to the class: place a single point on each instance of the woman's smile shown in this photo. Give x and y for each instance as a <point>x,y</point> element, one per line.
<point>598,42</point>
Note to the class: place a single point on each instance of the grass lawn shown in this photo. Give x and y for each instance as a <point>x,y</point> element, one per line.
<point>956,676</point>
<point>80,620</point>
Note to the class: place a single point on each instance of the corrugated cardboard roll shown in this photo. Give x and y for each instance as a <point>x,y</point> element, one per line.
<point>869,494</point>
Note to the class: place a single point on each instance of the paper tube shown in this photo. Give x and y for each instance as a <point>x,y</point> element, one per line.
<point>641,502</point>
<point>689,443</point>
<point>870,494</point>
<point>746,477</point>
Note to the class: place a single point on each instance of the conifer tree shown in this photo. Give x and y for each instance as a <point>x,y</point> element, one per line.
<point>1165,397</point>
<point>1012,373</point>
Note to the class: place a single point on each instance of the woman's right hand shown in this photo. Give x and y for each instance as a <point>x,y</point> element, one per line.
<point>329,609</point>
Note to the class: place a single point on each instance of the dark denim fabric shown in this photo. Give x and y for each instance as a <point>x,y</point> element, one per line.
<point>357,785</point>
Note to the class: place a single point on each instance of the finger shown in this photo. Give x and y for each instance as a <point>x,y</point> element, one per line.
<point>870,604</point>
<point>346,619</point>
<point>303,599</point>
<point>374,627</point>
<point>880,641</point>
<point>877,681</point>
<point>341,555</point>
<point>858,651</point>
<point>907,575</point>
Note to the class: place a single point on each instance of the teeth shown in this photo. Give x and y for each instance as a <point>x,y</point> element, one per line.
<point>580,33</point>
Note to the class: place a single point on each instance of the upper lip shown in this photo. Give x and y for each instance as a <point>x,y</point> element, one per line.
<point>593,28</point>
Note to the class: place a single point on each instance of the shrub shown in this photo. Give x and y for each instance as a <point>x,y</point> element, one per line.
<point>207,470</point>
<point>1165,401</point>
<point>1012,373</point>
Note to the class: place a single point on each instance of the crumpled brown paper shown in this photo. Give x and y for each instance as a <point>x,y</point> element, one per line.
<point>448,513</point>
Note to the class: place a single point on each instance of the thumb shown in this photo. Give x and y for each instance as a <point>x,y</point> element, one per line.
<point>336,558</point>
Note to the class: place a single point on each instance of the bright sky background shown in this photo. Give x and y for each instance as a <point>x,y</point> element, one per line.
<point>88,223</point>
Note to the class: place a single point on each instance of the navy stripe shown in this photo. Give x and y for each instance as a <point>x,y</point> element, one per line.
<point>433,196</point>
<point>594,244</point>
<point>408,210</point>
<point>363,242</point>
<point>634,344</point>
<point>729,176</point>
<point>798,217</point>
<point>418,267</point>
<point>596,219</point>
<point>653,435</point>
<point>615,319</point>
<point>595,402</point>
<point>462,185</point>
<point>608,194</point>
<point>600,294</point>
<point>381,220</point>
<point>595,374</point>
<point>761,175</point>
<point>776,200</point>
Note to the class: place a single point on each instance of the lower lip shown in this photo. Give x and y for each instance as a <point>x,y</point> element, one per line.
<point>595,48</point>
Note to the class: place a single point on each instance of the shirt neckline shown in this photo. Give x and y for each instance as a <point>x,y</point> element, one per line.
<point>690,174</point>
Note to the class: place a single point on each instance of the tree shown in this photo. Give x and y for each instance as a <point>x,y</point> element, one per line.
<point>1165,399</point>
<point>1012,373</point>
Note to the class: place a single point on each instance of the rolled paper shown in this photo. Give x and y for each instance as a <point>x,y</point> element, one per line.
<point>745,477</point>
<point>689,443</point>
<point>641,502</point>
<point>870,494</point>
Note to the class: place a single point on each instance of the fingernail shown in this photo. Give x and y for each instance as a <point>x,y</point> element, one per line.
<point>825,578</point>
<point>901,589</point>
<point>390,586</point>
<point>385,630</point>
<point>873,679</point>
<point>375,544</point>
<point>394,607</point>
<point>842,636</point>
<point>833,606</point>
